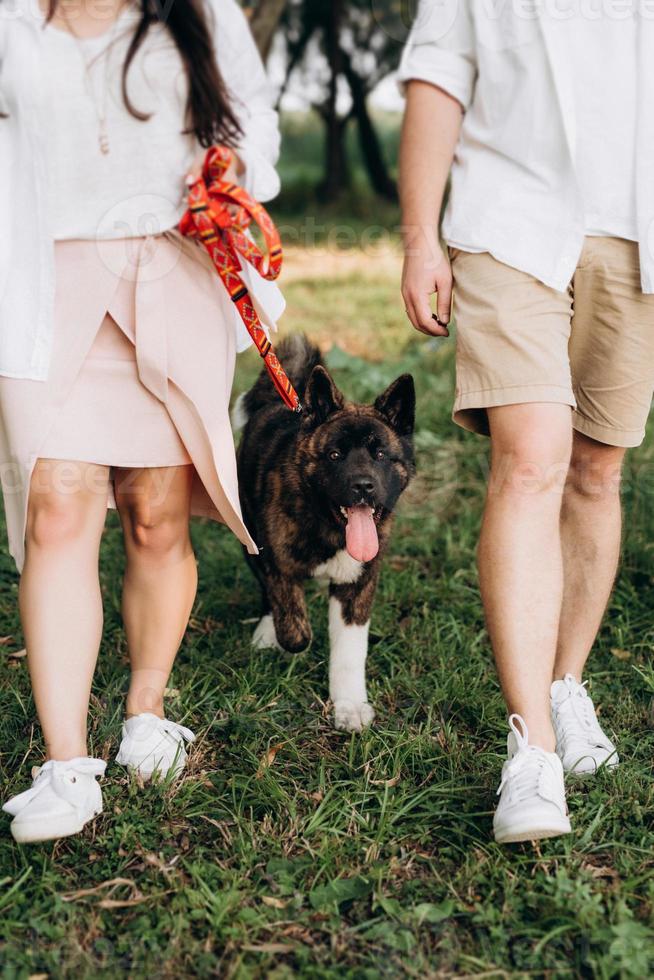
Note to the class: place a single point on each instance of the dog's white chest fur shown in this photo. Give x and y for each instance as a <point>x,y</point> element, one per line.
<point>342,569</point>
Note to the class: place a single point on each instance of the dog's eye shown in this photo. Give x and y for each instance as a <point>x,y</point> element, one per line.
<point>334,455</point>
<point>380,454</point>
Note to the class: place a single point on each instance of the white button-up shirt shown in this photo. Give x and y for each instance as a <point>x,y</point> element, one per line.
<point>514,187</point>
<point>27,191</point>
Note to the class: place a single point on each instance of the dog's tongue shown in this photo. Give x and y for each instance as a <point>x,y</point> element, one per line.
<point>361,538</point>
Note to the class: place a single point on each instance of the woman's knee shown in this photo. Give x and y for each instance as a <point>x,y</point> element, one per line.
<point>67,503</point>
<point>156,536</point>
<point>56,520</point>
<point>154,506</point>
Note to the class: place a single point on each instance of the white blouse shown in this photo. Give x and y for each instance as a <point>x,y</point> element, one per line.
<point>56,184</point>
<point>138,187</point>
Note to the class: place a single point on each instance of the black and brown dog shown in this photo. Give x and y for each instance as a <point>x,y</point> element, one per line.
<point>318,492</point>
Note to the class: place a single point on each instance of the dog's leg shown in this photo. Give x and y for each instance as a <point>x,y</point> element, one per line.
<point>348,648</point>
<point>289,613</point>
<point>264,636</point>
<point>349,622</point>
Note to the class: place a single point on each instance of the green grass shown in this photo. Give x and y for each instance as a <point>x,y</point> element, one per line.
<point>288,848</point>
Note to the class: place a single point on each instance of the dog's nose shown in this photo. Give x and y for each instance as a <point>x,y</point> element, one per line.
<point>363,486</point>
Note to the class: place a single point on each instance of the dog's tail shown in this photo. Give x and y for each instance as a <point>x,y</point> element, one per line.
<point>298,356</point>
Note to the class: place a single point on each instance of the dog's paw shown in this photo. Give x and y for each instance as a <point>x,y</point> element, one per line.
<point>352,716</point>
<point>295,636</point>
<point>265,635</point>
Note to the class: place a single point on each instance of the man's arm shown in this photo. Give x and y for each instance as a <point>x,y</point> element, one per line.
<point>430,132</point>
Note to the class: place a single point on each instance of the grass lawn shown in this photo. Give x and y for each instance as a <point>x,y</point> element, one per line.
<point>288,848</point>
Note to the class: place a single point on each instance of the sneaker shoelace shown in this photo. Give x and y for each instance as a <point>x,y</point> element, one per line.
<point>54,774</point>
<point>579,708</point>
<point>178,732</point>
<point>524,769</point>
<point>172,728</point>
<point>148,724</point>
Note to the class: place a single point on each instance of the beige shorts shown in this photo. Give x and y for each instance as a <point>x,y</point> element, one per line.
<point>591,347</point>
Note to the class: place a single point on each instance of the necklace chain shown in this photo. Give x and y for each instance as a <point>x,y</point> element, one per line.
<point>100,108</point>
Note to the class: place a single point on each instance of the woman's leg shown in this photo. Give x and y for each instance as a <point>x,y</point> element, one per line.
<point>160,576</point>
<point>59,596</point>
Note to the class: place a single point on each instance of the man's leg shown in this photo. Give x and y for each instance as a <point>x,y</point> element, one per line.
<point>591,523</point>
<point>520,560</point>
<point>611,354</point>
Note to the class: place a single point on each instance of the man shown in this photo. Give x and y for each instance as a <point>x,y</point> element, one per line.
<point>542,115</point>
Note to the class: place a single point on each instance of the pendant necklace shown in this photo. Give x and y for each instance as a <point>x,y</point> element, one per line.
<point>100,107</point>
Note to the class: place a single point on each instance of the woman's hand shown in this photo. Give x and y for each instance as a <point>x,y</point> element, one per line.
<point>426,270</point>
<point>233,173</point>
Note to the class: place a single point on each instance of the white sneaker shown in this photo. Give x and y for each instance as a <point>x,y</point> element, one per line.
<point>153,745</point>
<point>63,797</point>
<point>532,792</point>
<point>581,744</point>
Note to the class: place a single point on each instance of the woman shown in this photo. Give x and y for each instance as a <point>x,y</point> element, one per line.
<point>117,348</point>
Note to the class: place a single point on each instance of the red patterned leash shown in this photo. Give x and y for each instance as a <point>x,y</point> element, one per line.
<point>219,214</point>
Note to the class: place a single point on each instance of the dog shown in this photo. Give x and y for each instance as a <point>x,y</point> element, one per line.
<point>318,490</point>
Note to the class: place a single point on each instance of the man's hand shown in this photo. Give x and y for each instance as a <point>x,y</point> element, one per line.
<point>426,271</point>
<point>432,122</point>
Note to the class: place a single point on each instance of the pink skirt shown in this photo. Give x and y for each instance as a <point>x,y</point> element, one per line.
<point>140,376</point>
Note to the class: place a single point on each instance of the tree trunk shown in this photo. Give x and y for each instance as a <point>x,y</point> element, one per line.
<point>371,150</point>
<point>264,21</point>
<point>337,173</point>
<point>336,177</point>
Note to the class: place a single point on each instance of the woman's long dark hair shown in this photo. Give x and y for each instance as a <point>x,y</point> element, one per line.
<point>209,113</point>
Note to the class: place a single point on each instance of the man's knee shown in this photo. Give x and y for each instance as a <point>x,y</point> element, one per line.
<point>531,448</point>
<point>595,469</point>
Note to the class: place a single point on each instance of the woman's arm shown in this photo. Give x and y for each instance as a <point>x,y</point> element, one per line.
<point>252,99</point>
<point>430,133</point>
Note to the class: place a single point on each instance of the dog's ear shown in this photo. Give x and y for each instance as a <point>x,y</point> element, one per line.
<point>321,397</point>
<point>398,404</point>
